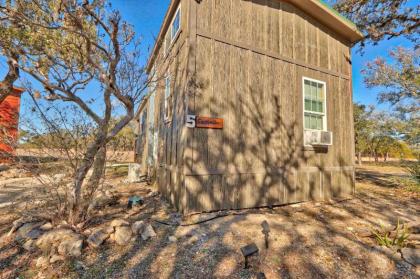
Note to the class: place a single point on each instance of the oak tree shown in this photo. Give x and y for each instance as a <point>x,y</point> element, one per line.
<point>383,19</point>
<point>82,52</point>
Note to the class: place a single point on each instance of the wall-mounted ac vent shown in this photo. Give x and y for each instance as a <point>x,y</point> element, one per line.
<point>318,138</point>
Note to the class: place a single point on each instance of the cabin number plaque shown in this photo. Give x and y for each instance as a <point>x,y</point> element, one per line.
<point>203,122</point>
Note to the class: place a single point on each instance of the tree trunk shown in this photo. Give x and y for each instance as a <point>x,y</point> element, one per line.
<point>359,158</point>
<point>80,177</point>
<point>95,180</point>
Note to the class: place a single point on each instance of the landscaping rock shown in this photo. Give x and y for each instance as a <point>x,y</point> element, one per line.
<point>42,262</point>
<point>54,237</point>
<point>123,235</point>
<point>148,232</point>
<point>30,230</point>
<point>56,258</point>
<point>109,230</point>
<point>46,227</point>
<point>71,248</point>
<point>119,222</point>
<point>29,245</point>
<point>34,234</point>
<point>112,237</point>
<point>97,238</point>
<point>16,225</point>
<point>137,227</point>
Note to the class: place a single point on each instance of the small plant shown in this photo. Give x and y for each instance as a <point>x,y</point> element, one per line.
<point>414,169</point>
<point>407,183</point>
<point>396,239</point>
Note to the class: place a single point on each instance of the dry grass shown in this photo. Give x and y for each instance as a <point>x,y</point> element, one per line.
<point>314,240</point>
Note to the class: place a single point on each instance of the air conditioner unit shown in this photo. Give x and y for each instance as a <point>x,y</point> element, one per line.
<point>318,138</point>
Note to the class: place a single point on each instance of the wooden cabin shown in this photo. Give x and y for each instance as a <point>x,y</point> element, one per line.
<point>9,122</point>
<point>251,105</point>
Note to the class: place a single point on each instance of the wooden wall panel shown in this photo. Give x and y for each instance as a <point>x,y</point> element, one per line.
<point>315,186</point>
<point>324,50</point>
<point>299,36</point>
<point>273,26</point>
<point>221,8</point>
<point>218,104</point>
<point>204,74</point>
<point>287,26</point>
<point>312,46</point>
<point>204,15</point>
<point>247,72</point>
<point>327,189</point>
<point>333,53</point>
<point>239,92</point>
<point>204,193</point>
<point>259,23</point>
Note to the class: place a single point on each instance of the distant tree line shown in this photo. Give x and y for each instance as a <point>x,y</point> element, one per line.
<point>381,135</point>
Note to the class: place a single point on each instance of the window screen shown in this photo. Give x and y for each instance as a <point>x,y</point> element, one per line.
<point>314,95</point>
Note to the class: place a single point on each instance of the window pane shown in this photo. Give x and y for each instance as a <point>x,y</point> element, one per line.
<point>307,104</point>
<point>319,123</point>
<point>307,90</point>
<point>313,90</point>
<point>307,121</point>
<point>313,122</point>
<point>321,107</point>
<point>175,24</point>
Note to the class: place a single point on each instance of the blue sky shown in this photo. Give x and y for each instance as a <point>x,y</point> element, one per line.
<point>147,15</point>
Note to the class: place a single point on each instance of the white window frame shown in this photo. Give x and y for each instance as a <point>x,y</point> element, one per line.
<point>178,12</point>
<point>167,96</point>
<point>170,31</point>
<point>325,114</point>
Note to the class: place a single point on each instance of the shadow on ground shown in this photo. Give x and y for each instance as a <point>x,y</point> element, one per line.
<point>312,240</point>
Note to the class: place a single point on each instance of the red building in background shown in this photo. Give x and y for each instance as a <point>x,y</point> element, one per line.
<point>9,124</point>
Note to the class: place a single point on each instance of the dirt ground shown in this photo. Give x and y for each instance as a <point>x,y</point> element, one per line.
<point>308,240</point>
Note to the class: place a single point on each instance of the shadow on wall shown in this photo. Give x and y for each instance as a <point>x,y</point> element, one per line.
<point>258,158</point>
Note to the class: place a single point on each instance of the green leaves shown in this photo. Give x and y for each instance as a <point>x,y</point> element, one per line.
<point>383,19</point>
<point>396,239</point>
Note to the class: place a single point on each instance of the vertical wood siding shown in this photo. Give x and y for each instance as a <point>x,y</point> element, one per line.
<point>244,61</point>
<point>251,57</point>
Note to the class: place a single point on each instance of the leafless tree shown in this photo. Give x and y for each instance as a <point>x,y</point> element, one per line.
<point>81,52</point>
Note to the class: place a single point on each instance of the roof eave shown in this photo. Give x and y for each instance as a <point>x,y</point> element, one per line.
<point>322,12</point>
<point>318,9</point>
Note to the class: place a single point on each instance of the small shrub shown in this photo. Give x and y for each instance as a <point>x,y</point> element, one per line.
<point>408,183</point>
<point>413,169</point>
<point>395,240</point>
